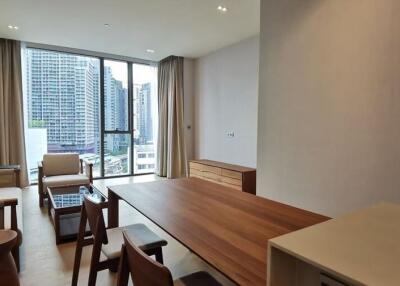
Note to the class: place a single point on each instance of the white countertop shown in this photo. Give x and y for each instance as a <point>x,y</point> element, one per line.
<point>363,247</point>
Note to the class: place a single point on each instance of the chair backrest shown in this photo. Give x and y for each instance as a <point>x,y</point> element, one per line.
<point>144,270</point>
<point>60,164</point>
<point>94,212</point>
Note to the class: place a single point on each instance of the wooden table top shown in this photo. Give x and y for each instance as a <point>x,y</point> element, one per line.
<point>227,228</point>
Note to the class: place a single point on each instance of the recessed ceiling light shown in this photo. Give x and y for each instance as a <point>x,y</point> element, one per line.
<point>107,25</point>
<point>13,27</point>
<point>222,8</point>
<point>16,28</point>
<point>150,51</point>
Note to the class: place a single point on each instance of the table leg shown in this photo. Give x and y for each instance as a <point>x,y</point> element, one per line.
<point>49,206</point>
<point>113,209</point>
<point>57,227</point>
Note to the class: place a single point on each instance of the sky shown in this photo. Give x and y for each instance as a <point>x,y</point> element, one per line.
<point>141,73</point>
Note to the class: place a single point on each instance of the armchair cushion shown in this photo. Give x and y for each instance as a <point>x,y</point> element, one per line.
<point>12,193</point>
<point>64,180</point>
<point>60,164</point>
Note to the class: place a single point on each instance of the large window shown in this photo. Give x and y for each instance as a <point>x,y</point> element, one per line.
<point>117,139</point>
<point>62,106</point>
<point>66,110</point>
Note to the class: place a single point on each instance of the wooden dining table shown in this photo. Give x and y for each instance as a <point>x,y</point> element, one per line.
<point>227,228</point>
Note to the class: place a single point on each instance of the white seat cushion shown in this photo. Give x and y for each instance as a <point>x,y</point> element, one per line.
<point>139,234</point>
<point>12,193</point>
<point>64,180</point>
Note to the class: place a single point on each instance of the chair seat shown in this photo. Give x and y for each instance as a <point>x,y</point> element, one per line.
<point>139,234</point>
<point>200,278</point>
<point>64,180</point>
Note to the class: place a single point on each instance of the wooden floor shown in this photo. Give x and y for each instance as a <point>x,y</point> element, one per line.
<point>45,263</point>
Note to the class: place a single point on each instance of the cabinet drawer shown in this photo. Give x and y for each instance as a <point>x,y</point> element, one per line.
<point>205,168</point>
<point>231,181</point>
<point>211,169</point>
<point>212,176</point>
<point>211,180</point>
<point>195,166</point>
<point>196,176</point>
<point>196,173</point>
<point>232,174</point>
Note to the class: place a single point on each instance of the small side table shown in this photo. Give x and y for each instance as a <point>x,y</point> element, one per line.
<point>65,204</point>
<point>8,270</point>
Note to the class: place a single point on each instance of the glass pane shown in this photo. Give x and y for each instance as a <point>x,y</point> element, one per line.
<point>116,154</point>
<point>61,106</point>
<point>116,96</point>
<point>145,117</point>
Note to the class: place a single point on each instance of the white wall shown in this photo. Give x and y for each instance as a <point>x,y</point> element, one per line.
<point>226,91</point>
<point>329,104</point>
<point>188,91</point>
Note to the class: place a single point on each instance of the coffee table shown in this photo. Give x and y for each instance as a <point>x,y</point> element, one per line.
<point>65,209</point>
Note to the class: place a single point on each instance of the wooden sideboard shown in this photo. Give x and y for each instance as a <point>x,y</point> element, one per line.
<point>233,176</point>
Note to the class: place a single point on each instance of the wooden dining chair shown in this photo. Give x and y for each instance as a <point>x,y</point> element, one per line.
<point>12,204</point>
<point>148,272</point>
<point>109,241</point>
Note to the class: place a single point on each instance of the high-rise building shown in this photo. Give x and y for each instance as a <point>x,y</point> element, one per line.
<point>63,96</point>
<point>115,109</point>
<point>144,117</point>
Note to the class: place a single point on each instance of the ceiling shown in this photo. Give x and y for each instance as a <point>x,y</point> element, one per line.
<point>189,28</point>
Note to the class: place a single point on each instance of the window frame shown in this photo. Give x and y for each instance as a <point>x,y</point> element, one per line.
<point>103,57</point>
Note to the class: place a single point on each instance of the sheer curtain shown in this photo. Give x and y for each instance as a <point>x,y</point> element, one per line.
<point>171,151</point>
<point>12,143</point>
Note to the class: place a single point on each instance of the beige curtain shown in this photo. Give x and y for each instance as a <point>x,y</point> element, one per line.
<point>12,143</point>
<point>171,151</point>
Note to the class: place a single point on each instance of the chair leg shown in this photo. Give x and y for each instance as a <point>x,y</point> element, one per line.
<point>79,246</point>
<point>41,199</point>
<point>94,263</point>
<point>159,255</point>
<point>123,270</point>
<point>49,207</point>
<point>15,254</point>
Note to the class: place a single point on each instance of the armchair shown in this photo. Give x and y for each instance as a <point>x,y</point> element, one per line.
<point>62,169</point>
<point>11,205</point>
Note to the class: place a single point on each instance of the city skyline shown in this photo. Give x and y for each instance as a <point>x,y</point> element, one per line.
<point>61,93</point>
<point>63,97</point>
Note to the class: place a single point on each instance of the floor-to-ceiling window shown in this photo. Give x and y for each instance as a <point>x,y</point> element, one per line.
<point>62,106</point>
<point>117,134</point>
<point>90,105</point>
<point>144,80</point>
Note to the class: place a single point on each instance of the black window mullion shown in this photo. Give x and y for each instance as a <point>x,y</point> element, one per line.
<point>130,114</point>
<point>102,116</point>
